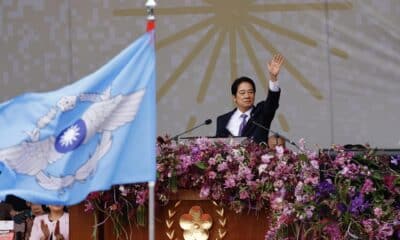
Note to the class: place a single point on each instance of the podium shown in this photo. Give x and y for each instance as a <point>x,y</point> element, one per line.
<point>186,214</point>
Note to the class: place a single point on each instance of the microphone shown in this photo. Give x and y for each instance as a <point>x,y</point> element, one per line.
<point>276,134</point>
<point>206,122</point>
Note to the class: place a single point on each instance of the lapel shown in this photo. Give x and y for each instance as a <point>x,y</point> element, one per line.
<point>225,121</point>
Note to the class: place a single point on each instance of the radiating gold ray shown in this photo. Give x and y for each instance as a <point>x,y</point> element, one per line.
<point>185,63</point>
<point>339,53</point>
<point>253,58</point>
<point>184,33</point>
<point>283,31</point>
<point>283,122</point>
<point>291,69</point>
<point>164,11</point>
<point>192,121</point>
<point>211,66</point>
<point>233,54</point>
<point>303,81</point>
<point>285,7</point>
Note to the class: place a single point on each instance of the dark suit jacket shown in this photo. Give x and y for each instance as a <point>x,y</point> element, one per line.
<point>263,114</point>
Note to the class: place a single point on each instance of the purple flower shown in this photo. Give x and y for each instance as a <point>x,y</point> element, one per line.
<point>230,182</point>
<point>341,207</point>
<point>325,188</point>
<point>222,166</point>
<point>395,160</point>
<point>186,162</point>
<point>357,205</point>
<point>245,172</point>
<point>397,234</point>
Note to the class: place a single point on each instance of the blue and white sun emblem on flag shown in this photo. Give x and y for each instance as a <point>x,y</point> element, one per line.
<point>71,137</point>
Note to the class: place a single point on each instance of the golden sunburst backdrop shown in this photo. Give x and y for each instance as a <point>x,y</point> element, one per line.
<point>231,23</point>
<point>339,82</point>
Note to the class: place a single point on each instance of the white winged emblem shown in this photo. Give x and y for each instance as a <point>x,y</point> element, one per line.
<point>105,115</point>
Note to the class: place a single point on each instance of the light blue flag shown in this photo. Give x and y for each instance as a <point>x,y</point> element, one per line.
<point>57,147</point>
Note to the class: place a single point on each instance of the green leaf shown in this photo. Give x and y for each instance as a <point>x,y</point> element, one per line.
<point>303,157</point>
<point>201,165</point>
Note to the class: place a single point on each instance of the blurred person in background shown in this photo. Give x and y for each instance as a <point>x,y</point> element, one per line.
<point>51,226</point>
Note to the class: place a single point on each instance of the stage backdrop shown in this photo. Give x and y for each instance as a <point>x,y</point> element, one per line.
<point>340,83</point>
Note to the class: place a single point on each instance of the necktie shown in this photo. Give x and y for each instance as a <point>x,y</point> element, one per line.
<point>243,116</point>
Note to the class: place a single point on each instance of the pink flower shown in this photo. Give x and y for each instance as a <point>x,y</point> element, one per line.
<point>309,211</point>
<point>141,197</point>
<point>333,231</point>
<point>279,151</point>
<point>302,143</point>
<point>222,166</point>
<point>230,182</point>
<point>389,182</point>
<point>93,196</point>
<point>367,187</point>
<point>369,225</point>
<point>277,200</point>
<point>262,168</point>
<point>384,231</point>
<point>212,175</point>
<point>378,212</point>
<point>245,172</point>
<point>243,195</point>
<point>204,191</point>
<point>266,158</point>
<point>312,180</point>
<point>212,161</point>
<point>314,164</point>
<point>88,206</point>
<point>278,183</point>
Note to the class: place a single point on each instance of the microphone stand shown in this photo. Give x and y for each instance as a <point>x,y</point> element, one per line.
<point>276,134</point>
<point>176,137</point>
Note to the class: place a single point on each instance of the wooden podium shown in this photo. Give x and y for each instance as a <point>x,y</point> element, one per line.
<point>185,215</point>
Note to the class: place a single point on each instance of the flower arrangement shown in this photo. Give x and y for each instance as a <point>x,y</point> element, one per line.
<point>335,195</point>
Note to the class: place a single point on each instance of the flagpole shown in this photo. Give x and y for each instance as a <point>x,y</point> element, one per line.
<point>150,5</point>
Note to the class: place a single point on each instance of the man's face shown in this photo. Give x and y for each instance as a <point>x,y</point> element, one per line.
<point>244,97</point>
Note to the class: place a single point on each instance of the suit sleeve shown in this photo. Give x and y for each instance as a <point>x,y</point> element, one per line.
<point>269,106</point>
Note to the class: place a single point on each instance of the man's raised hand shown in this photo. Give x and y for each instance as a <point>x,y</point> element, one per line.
<point>274,66</point>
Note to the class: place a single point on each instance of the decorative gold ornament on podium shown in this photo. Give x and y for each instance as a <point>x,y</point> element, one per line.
<point>196,224</point>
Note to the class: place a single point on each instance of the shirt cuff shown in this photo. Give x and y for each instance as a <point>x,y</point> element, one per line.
<point>274,86</point>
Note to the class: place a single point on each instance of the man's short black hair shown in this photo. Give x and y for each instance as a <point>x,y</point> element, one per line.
<point>238,81</point>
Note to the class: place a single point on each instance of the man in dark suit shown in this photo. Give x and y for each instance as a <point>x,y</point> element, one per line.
<point>239,121</point>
